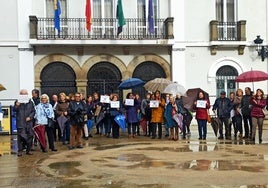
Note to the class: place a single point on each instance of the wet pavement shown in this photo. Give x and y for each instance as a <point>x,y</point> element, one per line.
<point>139,162</point>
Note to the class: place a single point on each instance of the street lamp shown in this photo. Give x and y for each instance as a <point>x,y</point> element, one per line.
<point>262,50</point>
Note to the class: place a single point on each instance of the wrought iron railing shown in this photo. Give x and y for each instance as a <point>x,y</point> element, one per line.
<point>227,31</point>
<point>105,28</point>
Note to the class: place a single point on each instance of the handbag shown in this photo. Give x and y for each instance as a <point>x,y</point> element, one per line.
<point>209,117</point>
<point>50,122</point>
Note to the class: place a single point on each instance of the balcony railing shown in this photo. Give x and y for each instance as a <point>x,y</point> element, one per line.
<point>105,28</point>
<point>227,31</point>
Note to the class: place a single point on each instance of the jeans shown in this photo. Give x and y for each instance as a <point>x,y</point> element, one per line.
<point>132,127</point>
<point>66,132</point>
<point>202,128</point>
<point>226,122</point>
<point>247,125</point>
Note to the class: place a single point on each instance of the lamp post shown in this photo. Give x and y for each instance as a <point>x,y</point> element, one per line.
<point>262,50</point>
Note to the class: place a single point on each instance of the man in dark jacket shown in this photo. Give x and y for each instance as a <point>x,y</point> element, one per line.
<point>223,105</point>
<point>24,121</point>
<point>77,111</point>
<point>246,110</point>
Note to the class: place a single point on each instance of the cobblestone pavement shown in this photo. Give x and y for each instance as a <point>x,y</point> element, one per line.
<point>139,162</point>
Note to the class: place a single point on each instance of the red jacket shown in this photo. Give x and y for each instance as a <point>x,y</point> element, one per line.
<point>202,113</point>
<point>258,105</point>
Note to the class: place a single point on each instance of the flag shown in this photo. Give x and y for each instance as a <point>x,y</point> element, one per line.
<point>120,17</point>
<point>57,13</point>
<point>88,15</point>
<point>150,16</point>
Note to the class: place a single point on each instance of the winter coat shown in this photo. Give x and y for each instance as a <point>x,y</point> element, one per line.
<point>77,112</point>
<point>132,112</point>
<point>44,111</point>
<point>158,113</point>
<point>223,107</point>
<point>61,107</point>
<point>257,106</point>
<point>245,105</point>
<point>23,111</point>
<point>202,113</point>
<point>170,122</point>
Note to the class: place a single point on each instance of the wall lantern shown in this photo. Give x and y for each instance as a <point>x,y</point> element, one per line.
<point>262,50</point>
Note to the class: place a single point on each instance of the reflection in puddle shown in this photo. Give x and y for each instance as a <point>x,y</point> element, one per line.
<point>221,165</point>
<point>141,161</point>
<point>105,147</point>
<point>66,168</point>
<point>253,186</point>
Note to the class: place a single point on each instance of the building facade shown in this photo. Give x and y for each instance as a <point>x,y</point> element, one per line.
<point>203,44</point>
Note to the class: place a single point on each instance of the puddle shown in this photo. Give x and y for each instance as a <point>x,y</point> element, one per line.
<point>66,168</point>
<point>105,147</point>
<point>221,165</point>
<point>253,186</point>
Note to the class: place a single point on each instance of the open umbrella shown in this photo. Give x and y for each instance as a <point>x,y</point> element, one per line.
<point>188,101</point>
<point>252,76</point>
<point>157,84</point>
<point>131,83</point>
<point>61,121</point>
<point>121,121</point>
<point>175,89</point>
<point>2,87</point>
<point>39,131</point>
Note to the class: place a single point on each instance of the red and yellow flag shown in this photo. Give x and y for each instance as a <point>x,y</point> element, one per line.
<point>88,15</point>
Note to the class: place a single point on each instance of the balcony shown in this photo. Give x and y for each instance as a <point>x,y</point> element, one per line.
<point>102,29</point>
<point>227,34</point>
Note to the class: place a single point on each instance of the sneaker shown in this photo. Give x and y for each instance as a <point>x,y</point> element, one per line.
<point>79,147</point>
<point>71,147</point>
<point>19,154</point>
<point>29,153</point>
<point>260,141</point>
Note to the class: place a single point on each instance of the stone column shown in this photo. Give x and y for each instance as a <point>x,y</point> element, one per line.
<point>241,30</point>
<point>169,28</point>
<point>33,27</point>
<point>213,30</point>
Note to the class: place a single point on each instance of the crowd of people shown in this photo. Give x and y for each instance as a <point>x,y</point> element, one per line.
<point>70,118</point>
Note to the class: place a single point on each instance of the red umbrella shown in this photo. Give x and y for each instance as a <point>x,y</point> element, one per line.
<point>39,131</point>
<point>252,76</point>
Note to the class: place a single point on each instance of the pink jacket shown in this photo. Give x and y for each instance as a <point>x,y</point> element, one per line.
<point>258,105</point>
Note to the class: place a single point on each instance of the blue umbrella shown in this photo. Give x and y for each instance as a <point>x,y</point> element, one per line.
<point>121,121</point>
<point>131,83</point>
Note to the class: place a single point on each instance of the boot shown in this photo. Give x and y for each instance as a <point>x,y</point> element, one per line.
<point>171,134</point>
<point>176,136</point>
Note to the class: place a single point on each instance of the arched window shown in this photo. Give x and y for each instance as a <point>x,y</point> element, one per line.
<point>225,79</point>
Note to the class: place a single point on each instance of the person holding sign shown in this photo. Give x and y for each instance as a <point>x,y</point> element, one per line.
<point>115,110</point>
<point>132,110</point>
<point>25,113</point>
<point>202,105</point>
<point>158,115</point>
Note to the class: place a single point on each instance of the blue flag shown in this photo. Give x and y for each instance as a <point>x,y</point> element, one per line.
<point>57,13</point>
<point>150,17</point>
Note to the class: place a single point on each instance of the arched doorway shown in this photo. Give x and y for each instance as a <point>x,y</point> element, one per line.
<point>57,77</point>
<point>147,71</point>
<point>104,78</point>
<point>225,79</point>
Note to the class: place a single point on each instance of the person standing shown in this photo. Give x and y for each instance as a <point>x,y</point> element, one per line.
<point>223,105</point>
<point>147,113</point>
<point>246,111</point>
<point>44,111</point>
<point>77,110</point>
<point>61,110</point>
<point>132,116</point>
<point>258,102</point>
<point>238,113</point>
<point>158,115</point>
<point>96,110</point>
<point>114,112</point>
<point>202,105</point>
<point>25,113</point>
<point>171,124</point>
<point>56,130</point>
<point>90,105</point>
